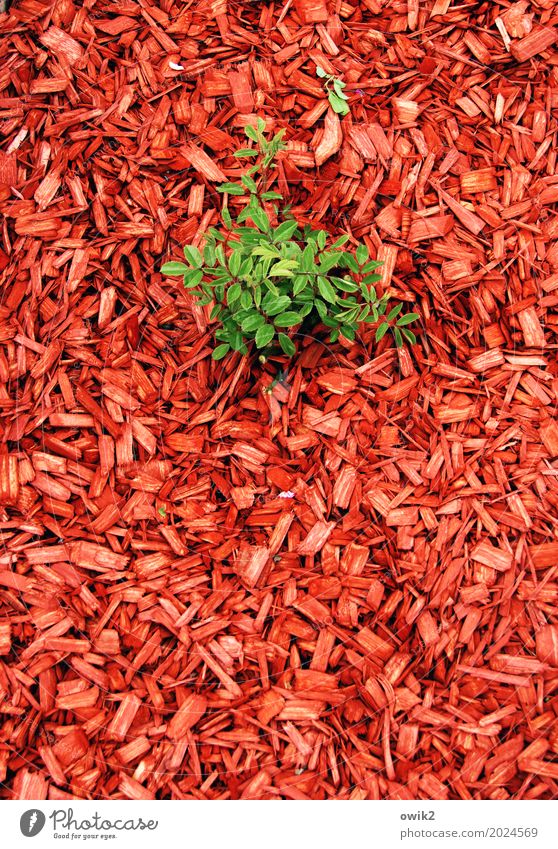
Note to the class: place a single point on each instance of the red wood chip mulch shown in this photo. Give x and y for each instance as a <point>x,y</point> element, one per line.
<point>335,582</point>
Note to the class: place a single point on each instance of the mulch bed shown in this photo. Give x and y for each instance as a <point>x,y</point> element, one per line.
<point>218,581</point>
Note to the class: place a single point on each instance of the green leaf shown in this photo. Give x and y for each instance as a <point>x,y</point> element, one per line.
<point>264,335</point>
<point>244,152</point>
<point>328,260</point>
<point>361,254</point>
<point>261,125</point>
<point>351,262</point>
<point>300,283</point>
<point>243,215</point>
<point>326,290</point>
<point>273,304</point>
<point>381,331</point>
<point>409,336</point>
<point>246,300</point>
<point>226,216</point>
<point>398,337</point>
<point>249,183</point>
<point>337,104</point>
<point>320,72</point>
<point>216,312</point>
<point>209,254</point>
<point>287,319</point>
<point>278,137</point>
<point>372,295</point>
<point>291,250</point>
<point>231,189</point>
<point>218,272</point>
<point>270,285</point>
<point>321,239</point>
<point>370,266</point>
<point>268,251</point>
<point>341,241</point>
<point>321,308</point>
<point>307,259</point>
<point>174,269</point>
<point>349,315</point>
<point>220,351</point>
<point>271,195</point>
<point>338,87</point>
<point>193,277</point>
<point>307,294</point>
<point>348,332</point>
<point>235,261</point>
<point>283,268</point>
<point>331,322</point>
<point>253,322</point>
<point>345,285</point>
<point>284,231</point>
<point>237,342</point>
<point>193,256</point>
<point>260,219</point>
<point>251,133</point>
<point>246,267</point>
<point>287,345</point>
<point>407,319</point>
<point>394,312</point>
<point>242,232</point>
<point>260,273</point>
<point>233,293</point>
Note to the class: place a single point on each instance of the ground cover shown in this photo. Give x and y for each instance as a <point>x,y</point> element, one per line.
<point>329,577</point>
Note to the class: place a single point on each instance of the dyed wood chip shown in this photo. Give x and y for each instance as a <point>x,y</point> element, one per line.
<point>330,578</point>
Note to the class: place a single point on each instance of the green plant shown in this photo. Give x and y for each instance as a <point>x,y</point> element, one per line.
<point>335,94</point>
<point>266,278</point>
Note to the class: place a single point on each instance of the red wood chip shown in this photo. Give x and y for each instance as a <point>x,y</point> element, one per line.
<point>330,577</point>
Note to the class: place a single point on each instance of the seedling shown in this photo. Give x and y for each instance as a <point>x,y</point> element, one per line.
<point>266,279</point>
<point>335,94</point>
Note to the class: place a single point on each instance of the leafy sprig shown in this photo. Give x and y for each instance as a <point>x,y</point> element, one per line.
<point>265,275</point>
<point>335,94</point>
